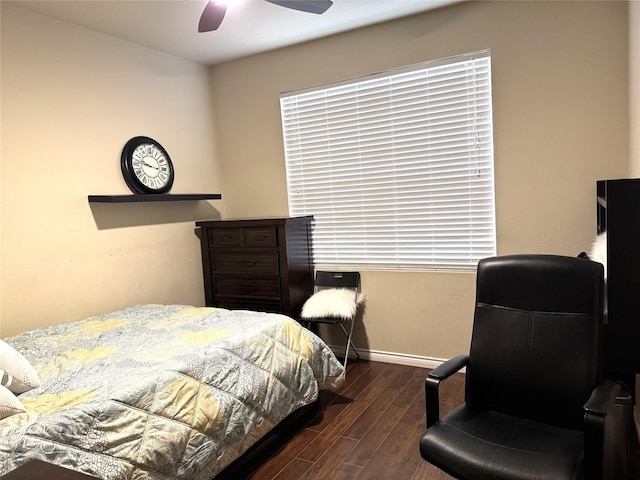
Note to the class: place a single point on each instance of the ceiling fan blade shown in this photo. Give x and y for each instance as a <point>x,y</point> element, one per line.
<point>212,16</point>
<point>309,6</point>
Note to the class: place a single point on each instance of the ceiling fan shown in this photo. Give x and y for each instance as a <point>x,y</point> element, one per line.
<point>214,11</point>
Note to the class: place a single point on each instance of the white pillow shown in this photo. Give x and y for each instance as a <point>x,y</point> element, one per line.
<point>9,403</point>
<point>331,302</point>
<point>598,251</point>
<point>16,373</point>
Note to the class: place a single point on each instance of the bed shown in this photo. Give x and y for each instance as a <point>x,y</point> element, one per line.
<point>161,391</point>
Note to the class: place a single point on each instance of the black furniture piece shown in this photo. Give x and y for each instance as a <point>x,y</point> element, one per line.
<point>263,264</point>
<point>535,404</point>
<point>336,297</point>
<point>618,211</point>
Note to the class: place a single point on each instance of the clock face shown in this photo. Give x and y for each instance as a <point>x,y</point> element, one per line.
<point>150,166</point>
<point>146,166</point>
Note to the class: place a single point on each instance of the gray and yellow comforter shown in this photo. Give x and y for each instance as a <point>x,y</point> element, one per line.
<point>162,392</point>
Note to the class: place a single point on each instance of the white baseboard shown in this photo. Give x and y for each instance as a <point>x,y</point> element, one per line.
<point>392,357</point>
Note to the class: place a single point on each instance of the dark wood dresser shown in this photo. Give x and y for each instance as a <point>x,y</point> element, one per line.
<point>257,264</point>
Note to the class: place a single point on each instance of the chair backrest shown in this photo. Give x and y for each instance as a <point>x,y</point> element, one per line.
<point>337,279</point>
<point>535,347</point>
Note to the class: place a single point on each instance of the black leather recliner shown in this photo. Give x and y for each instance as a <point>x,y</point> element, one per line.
<point>535,404</point>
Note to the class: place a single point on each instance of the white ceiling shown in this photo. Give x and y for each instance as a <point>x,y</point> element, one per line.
<point>249,26</point>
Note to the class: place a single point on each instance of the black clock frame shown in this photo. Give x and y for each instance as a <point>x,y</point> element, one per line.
<point>126,163</point>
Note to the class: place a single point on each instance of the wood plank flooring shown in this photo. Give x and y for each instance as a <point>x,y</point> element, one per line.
<point>371,429</point>
<point>368,430</point>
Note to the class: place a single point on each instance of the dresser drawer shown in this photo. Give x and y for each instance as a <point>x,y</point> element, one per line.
<point>225,237</point>
<point>236,304</point>
<point>260,237</point>
<point>249,287</point>
<point>257,262</point>
<point>243,237</point>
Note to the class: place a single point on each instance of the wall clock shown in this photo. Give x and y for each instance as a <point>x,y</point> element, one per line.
<point>146,166</point>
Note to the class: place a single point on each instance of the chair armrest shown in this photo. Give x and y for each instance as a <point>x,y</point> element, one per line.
<point>600,404</point>
<point>435,376</point>
<point>448,368</point>
<point>602,399</point>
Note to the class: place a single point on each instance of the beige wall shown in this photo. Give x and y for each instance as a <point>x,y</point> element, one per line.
<point>71,99</point>
<point>560,73</point>
<point>0,170</point>
<point>634,88</point>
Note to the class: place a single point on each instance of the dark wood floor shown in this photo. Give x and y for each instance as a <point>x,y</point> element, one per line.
<point>370,429</point>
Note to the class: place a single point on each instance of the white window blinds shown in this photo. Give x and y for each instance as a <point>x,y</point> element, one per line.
<point>397,167</point>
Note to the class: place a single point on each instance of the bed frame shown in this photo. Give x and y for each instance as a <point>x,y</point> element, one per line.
<point>270,444</point>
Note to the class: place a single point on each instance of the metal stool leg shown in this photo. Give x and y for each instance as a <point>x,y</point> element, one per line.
<point>349,342</point>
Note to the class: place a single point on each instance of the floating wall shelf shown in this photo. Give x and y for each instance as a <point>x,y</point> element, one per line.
<point>153,197</point>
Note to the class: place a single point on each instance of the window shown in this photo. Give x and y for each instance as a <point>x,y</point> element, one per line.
<point>396,167</point>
